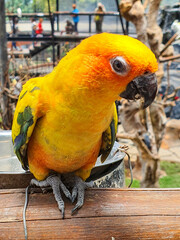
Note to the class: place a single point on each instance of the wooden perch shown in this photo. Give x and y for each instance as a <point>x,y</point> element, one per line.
<point>107,214</point>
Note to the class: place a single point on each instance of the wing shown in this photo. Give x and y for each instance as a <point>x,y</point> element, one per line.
<point>109,137</point>
<point>25,117</point>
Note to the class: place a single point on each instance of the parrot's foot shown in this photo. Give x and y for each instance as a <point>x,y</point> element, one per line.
<point>78,192</point>
<point>54,181</point>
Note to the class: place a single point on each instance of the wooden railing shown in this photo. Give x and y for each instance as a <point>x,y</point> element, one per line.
<point>64,13</point>
<point>112,214</point>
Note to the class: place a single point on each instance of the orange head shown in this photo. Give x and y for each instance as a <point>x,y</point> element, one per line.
<point>41,20</point>
<point>74,6</point>
<point>118,64</point>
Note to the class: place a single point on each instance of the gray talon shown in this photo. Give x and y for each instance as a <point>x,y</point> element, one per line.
<point>74,193</point>
<point>78,206</point>
<point>79,192</point>
<point>65,191</point>
<point>56,184</point>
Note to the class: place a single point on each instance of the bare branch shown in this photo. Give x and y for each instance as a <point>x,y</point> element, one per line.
<point>171,58</point>
<point>171,40</point>
<point>168,82</point>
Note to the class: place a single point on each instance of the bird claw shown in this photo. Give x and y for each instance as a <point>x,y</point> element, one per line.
<point>54,181</point>
<point>46,190</point>
<point>78,206</point>
<point>74,193</point>
<point>79,192</point>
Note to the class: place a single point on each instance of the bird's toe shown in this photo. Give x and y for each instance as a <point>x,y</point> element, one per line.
<point>79,192</point>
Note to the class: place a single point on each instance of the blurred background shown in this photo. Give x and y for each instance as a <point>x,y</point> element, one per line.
<point>154,146</point>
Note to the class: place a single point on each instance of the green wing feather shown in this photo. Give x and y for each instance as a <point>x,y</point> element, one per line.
<point>25,118</point>
<point>109,137</point>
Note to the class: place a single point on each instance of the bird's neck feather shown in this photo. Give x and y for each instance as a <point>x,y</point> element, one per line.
<point>83,92</point>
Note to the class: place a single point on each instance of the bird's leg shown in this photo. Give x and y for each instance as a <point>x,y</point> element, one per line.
<point>78,192</point>
<point>54,181</point>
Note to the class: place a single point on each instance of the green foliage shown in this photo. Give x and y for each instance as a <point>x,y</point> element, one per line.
<point>25,5</point>
<point>29,6</point>
<point>135,184</point>
<point>172,180</point>
<point>82,5</point>
<point>170,168</point>
<point>42,5</point>
<point>86,5</point>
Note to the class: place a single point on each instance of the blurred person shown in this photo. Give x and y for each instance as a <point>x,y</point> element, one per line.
<point>19,12</point>
<point>39,29</point>
<point>14,33</point>
<point>69,28</point>
<point>33,27</point>
<point>75,17</point>
<point>99,18</point>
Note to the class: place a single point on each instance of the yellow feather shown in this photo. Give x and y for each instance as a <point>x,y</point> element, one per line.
<point>74,105</point>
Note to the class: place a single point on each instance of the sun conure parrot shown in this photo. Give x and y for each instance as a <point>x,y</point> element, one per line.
<point>66,119</point>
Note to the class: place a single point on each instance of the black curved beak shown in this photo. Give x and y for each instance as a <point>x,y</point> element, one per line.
<point>144,86</point>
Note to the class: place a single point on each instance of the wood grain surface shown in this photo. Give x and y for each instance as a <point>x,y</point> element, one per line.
<point>107,214</point>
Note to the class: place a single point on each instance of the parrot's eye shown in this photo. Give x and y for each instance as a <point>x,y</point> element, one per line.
<point>119,66</point>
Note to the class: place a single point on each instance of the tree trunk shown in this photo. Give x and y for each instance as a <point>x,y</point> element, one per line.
<point>133,10</point>
<point>154,32</point>
<point>146,126</point>
<point>6,115</point>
